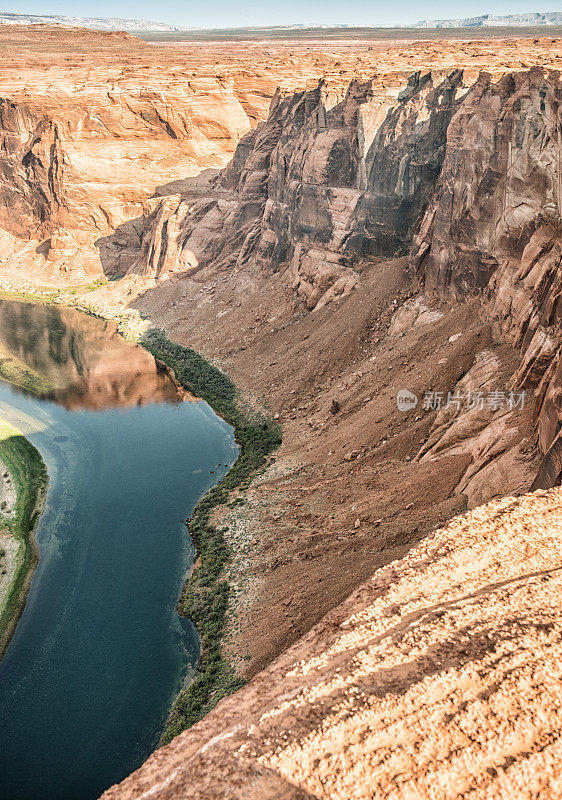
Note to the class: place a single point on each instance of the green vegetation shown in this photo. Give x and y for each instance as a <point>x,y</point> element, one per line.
<point>48,295</point>
<point>30,479</point>
<point>205,600</point>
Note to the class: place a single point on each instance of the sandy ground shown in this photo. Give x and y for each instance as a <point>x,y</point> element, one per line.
<point>9,546</point>
<point>8,493</point>
<point>9,550</point>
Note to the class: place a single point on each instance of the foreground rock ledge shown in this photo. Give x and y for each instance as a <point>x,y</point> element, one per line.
<point>439,678</point>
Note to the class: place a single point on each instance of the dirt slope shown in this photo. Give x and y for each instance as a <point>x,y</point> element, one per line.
<point>345,494</point>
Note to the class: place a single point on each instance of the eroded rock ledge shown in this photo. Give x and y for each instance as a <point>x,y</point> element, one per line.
<point>440,677</point>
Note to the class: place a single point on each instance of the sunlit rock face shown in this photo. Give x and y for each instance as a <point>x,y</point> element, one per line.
<point>69,182</point>
<point>81,149</point>
<point>494,226</point>
<point>77,360</point>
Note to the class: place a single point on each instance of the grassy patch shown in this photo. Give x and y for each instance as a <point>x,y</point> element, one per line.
<point>30,478</point>
<point>49,295</point>
<point>205,600</point>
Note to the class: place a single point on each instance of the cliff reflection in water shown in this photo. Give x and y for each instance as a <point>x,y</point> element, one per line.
<point>76,360</point>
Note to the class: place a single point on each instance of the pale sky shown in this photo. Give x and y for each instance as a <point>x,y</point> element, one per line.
<point>226,13</point>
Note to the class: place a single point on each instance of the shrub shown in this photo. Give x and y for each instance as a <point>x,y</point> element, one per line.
<point>205,600</point>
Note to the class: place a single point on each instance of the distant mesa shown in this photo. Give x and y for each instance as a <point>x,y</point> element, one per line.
<point>491,21</point>
<point>97,23</point>
<point>142,26</point>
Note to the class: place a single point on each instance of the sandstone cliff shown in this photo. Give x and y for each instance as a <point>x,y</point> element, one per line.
<point>119,121</point>
<point>334,174</point>
<point>440,677</point>
<point>315,200</point>
<point>494,225</point>
<point>465,174</point>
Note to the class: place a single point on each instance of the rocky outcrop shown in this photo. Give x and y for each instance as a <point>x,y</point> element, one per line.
<point>31,171</point>
<point>466,175</point>
<point>344,172</point>
<point>336,173</point>
<point>439,677</point>
<point>482,422</point>
<point>495,225</point>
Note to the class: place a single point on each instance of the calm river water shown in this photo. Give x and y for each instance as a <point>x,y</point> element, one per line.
<point>100,651</point>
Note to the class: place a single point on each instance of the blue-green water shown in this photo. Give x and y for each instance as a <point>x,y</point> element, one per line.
<point>100,651</point>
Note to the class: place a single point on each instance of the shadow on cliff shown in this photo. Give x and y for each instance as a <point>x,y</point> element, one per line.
<point>187,187</point>
<point>122,249</point>
<point>119,251</point>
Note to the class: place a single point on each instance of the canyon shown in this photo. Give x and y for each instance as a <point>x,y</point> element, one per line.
<point>332,223</point>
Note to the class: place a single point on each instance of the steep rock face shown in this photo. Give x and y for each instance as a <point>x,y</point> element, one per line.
<point>348,177</point>
<point>129,121</point>
<point>500,181</point>
<point>403,164</point>
<point>116,121</point>
<point>68,183</point>
<point>336,173</point>
<point>31,169</point>
<point>495,226</point>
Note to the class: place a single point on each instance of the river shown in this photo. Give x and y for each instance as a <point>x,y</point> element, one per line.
<point>100,652</point>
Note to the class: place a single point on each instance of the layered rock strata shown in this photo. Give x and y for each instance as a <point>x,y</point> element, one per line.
<point>465,177</point>
<point>96,123</point>
<point>494,226</point>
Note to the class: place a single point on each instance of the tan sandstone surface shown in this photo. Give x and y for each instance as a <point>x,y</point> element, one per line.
<point>438,678</point>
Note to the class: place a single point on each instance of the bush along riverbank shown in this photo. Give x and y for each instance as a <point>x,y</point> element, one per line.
<point>29,476</point>
<point>205,600</point>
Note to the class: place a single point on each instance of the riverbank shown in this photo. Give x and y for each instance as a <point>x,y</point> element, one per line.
<point>206,594</point>
<point>23,471</point>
